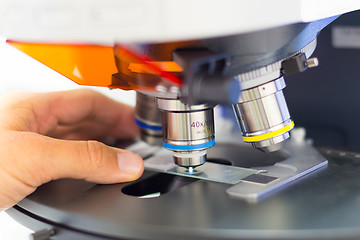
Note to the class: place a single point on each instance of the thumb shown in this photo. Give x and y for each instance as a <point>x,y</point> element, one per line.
<point>42,159</point>
<point>89,160</point>
<point>94,162</point>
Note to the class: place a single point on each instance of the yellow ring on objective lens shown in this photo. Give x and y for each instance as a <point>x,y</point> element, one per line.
<point>270,134</point>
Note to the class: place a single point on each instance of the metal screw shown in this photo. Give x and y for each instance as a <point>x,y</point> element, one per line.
<point>312,62</point>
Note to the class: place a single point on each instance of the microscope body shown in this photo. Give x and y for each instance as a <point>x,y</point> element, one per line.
<point>189,72</point>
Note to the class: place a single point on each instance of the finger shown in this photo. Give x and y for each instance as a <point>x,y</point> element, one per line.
<point>89,160</point>
<point>43,159</point>
<point>43,112</point>
<point>88,130</point>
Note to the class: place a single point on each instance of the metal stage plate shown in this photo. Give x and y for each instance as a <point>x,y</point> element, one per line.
<point>324,204</point>
<point>250,184</point>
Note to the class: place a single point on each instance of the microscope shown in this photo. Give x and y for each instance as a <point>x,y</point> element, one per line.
<point>249,182</point>
<point>180,83</point>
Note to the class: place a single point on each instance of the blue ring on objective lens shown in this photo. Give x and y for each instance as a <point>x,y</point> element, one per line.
<point>189,147</point>
<point>145,126</point>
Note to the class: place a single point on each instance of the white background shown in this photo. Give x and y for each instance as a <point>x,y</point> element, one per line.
<point>19,72</point>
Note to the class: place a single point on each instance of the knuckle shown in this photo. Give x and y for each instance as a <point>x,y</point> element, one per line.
<point>95,153</point>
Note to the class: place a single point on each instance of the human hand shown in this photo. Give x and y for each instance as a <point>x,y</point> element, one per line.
<point>44,136</point>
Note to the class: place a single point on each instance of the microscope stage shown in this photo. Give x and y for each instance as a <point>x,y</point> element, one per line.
<point>322,204</point>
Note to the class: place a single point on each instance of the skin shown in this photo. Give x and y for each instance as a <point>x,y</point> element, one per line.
<point>48,136</point>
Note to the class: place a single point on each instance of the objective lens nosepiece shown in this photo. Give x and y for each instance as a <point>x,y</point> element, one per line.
<point>187,131</point>
<point>263,116</point>
<point>148,118</point>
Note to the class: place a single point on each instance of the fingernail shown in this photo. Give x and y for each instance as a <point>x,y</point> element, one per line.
<point>129,162</point>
